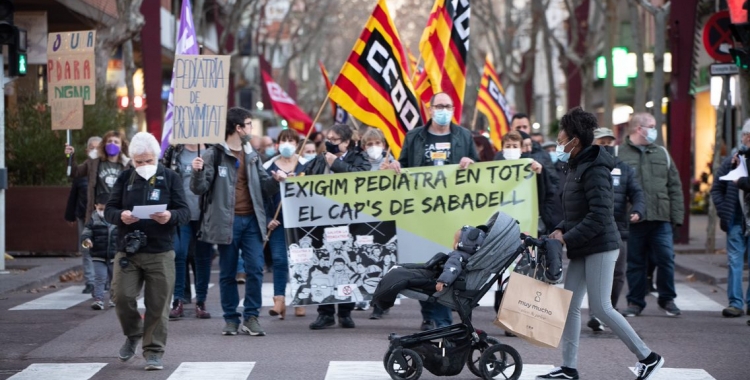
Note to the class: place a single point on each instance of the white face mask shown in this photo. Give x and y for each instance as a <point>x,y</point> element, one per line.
<point>512,154</point>
<point>310,156</point>
<point>375,152</point>
<point>93,154</point>
<point>146,171</point>
<point>100,213</point>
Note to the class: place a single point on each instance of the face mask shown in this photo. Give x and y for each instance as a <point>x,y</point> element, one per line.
<point>93,154</point>
<point>270,151</point>
<point>287,150</point>
<point>442,117</point>
<point>562,155</point>
<point>332,148</point>
<point>375,152</point>
<point>309,156</point>
<point>146,171</point>
<point>112,149</point>
<point>553,157</point>
<point>100,213</point>
<point>610,150</point>
<point>525,155</point>
<point>511,153</point>
<point>651,135</point>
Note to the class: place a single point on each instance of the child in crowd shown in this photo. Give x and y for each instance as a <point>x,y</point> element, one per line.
<point>100,238</point>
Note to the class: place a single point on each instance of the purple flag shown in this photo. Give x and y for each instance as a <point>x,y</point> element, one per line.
<point>186,44</point>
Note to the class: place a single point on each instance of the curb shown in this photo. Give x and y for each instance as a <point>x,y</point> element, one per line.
<point>698,275</point>
<point>37,282</point>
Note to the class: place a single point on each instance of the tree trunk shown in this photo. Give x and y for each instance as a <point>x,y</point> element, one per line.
<point>639,99</point>
<point>552,100</point>
<point>610,29</point>
<point>712,216</point>
<point>587,86</point>
<point>129,65</point>
<point>657,91</point>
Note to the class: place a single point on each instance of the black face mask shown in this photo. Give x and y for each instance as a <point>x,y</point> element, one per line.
<point>526,155</point>
<point>332,148</point>
<point>610,150</point>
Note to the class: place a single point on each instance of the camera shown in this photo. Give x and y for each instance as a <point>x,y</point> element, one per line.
<point>134,241</point>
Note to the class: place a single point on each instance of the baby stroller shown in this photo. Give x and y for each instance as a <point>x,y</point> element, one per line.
<point>444,351</point>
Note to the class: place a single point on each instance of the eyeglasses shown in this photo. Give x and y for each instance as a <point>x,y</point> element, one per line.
<point>443,106</point>
<point>320,286</point>
<point>334,140</point>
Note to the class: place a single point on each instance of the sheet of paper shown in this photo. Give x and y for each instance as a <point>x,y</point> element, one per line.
<point>144,212</point>
<point>739,172</point>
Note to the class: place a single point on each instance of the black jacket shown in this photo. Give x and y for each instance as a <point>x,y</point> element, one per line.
<point>725,194</point>
<point>561,171</point>
<point>627,190</point>
<point>132,190</point>
<point>545,198</point>
<point>103,235</point>
<point>412,152</point>
<point>77,200</point>
<point>354,161</point>
<point>588,224</point>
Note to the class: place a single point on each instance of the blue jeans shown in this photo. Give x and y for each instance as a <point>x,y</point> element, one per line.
<point>246,236</point>
<point>438,313</point>
<point>737,249</point>
<point>650,241</point>
<point>182,238</point>
<point>277,244</point>
<point>202,257</point>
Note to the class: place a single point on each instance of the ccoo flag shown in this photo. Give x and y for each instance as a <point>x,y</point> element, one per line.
<point>186,44</point>
<point>339,115</point>
<point>374,85</point>
<point>492,104</point>
<point>285,106</point>
<point>444,47</point>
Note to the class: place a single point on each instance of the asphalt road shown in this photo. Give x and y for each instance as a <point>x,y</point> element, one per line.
<point>711,346</point>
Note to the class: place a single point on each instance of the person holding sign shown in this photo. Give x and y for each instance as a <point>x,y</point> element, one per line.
<point>589,231</point>
<point>440,142</point>
<point>145,252</point>
<point>235,185</point>
<point>292,164</point>
<point>102,171</point>
<point>342,156</point>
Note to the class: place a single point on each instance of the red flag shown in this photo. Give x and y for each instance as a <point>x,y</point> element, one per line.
<point>285,107</point>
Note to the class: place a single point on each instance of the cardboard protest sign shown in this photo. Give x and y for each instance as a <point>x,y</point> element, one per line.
<point>71,71</point>
<point>373,219</point>
<point>67,114</point>
<point>201,84</point>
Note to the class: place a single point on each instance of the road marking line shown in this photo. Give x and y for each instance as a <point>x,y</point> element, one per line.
<point>59,371</point>
<point>59,300</point>
<point>339,370</point>
<point>142,303</point>
<point>680,373</point>
<point>212,370</point>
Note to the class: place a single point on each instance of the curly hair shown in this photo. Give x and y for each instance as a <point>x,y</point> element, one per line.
<point>581,124</point>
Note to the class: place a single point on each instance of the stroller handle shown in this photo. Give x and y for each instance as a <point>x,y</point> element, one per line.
<point>529,241</point>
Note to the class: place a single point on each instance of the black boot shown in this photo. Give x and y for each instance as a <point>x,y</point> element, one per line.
<point>377,312</point>
<point>322,322</point>
<point>346,322</point>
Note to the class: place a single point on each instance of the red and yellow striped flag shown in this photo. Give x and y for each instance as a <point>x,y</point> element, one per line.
<point>444,46</point>
<point>374,85</point>
<point>492,104</point>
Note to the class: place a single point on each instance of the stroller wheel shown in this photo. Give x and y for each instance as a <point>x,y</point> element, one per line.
<point>386,357</point>
<point>404,364</point>
<point>476,353</point>
<point>501,360</point>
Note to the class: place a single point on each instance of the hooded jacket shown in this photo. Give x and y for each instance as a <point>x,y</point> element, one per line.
<point>103,235</point>
<point>412,152</point>
<point>588,224</point>
<point>218,178</point>
<point>130,189</point>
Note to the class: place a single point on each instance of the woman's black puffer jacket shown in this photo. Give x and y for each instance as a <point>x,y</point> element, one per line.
<point>588,204</point>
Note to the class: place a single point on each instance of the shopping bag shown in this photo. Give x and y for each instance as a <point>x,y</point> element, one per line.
<point>534,310</point>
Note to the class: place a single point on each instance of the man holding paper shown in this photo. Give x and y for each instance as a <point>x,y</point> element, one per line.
<point>727,198</point>
<point>145,252</point>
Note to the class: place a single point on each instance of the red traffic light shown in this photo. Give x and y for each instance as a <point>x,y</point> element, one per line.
<point>738,11</point>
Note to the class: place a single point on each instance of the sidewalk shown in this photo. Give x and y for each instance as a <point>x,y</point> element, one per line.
<point>690,260</point>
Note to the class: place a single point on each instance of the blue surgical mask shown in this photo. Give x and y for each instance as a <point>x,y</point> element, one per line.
<point>310,156</point>
<point>553,157</point>
<point>651,135</point>
<point>270,151</point>
<point>286,150</point>
<point>562,155</point>
<point>442,117</point>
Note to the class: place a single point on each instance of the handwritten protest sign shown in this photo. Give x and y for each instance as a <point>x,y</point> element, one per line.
<point>201,83</point>
<point>67,114</point>
<point>71,72</point>
<point>428,205</point>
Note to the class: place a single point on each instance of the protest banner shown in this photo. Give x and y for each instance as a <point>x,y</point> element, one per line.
<point>67,114</point>
<point>201,84</point>
<point>406,218</point>
<point>71,72</point>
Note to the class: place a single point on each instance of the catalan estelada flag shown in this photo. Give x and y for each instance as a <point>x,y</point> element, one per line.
<point>374,85</point>
<point>492,104</point>
<point>444,47</point>
<point>339,115</point>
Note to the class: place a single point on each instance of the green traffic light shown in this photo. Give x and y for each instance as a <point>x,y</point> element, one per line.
<point>22,63</point>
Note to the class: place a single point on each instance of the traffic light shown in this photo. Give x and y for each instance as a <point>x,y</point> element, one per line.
<point>17,59</point>
<point>7,31</point>
<point>741,58</point>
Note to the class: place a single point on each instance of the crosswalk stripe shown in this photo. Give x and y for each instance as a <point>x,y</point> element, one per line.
<point>59,300</point>
<point>212,370</point>
<point>142,303</point>
<point>59,371</point>
<point>689,299</point>
<point>680,373</point>
<point>340,370</point>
